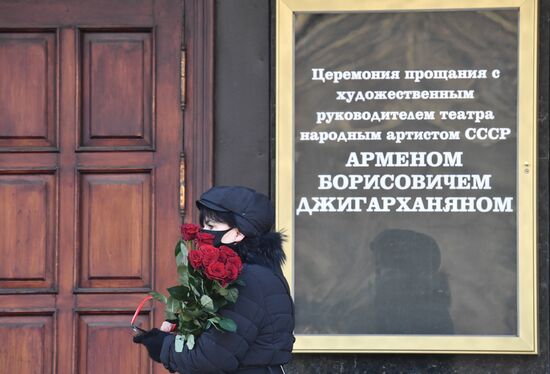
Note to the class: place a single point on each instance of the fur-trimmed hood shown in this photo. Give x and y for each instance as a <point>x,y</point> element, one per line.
<point>266,250</point>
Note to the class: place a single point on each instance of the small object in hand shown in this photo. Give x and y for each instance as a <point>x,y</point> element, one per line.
<point>168,326</point>
<point>137,330</point>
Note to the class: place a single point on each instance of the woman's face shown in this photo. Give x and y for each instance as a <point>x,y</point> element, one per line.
<point>212,225</point>
<point>231,236</point>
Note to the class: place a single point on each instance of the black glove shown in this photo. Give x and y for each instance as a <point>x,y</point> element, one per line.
<point>152,340</point>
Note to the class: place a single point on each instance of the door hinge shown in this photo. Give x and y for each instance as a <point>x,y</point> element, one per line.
<point>183,91</point>
<point>182,185</point>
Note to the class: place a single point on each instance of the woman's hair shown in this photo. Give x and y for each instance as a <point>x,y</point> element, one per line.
<point>206,214</point>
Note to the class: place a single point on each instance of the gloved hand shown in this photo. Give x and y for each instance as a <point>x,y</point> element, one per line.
<point>152,340</point>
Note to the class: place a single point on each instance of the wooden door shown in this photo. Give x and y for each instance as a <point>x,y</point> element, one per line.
<point>90,143</point>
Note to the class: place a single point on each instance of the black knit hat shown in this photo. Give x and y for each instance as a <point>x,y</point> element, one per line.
<point>253,211</point>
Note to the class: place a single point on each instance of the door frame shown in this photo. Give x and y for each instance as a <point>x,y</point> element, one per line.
<point>198,103</point>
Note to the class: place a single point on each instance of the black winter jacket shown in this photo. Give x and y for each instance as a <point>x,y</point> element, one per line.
<point>264,314</point>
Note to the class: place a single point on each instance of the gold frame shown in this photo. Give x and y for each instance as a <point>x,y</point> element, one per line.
<point>526,342</point>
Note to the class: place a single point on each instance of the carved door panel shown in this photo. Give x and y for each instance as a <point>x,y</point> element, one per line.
<point>90,143</point>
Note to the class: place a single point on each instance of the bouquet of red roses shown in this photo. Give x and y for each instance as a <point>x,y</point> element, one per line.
<point>207,278</point>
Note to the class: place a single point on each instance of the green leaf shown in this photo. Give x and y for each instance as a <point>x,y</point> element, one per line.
<point>232,294</point>
<point>181,259</point>
<point>158,296</point>
<point>202,285</point>
<point>190,341</point>
<point>215,321</point>
<point>170,315</point>
<point>183,248</point>
<point>228,324</point>
<point>207,302</point>
<point>181,253</point>
<point>185,316</point>
<point>177,250</point>
<point>178,292</point>
<point>185,326</point>
<point>218,304</point>
<point>182,269</point>
<point>219,289</point>
<point>183,275</point>
<point>240,282</point>
<point>172,305</point>
<point>194,289</point>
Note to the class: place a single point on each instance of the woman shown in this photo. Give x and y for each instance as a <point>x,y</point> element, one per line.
<point>240,218</point>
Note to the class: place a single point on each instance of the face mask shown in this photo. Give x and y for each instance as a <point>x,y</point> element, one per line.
<point>218,235</point>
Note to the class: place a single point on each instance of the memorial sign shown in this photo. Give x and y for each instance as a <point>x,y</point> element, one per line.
<point>406,174</point>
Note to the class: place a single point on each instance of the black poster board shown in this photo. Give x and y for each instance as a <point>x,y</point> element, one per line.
<point>410,153</point>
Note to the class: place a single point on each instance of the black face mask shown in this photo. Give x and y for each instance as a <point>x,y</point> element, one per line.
<point>218,235</point>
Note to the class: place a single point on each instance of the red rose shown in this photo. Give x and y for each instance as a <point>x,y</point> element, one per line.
<point>236,261</point>
<point>222,257</point>
<point>228,251</point>
<point>209,254</point>
<point>205,238</point>
<point>195,258</point>
<point>225,253</point>
<point>216,270</point>
<point>232,272</point>
<point>189,231</point>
